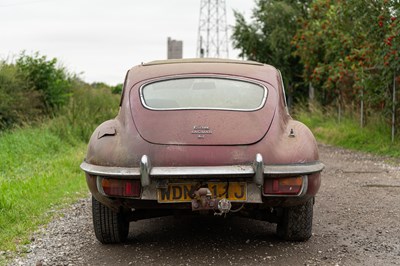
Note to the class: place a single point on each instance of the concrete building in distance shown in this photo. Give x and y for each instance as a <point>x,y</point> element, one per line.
<point>174,49</point>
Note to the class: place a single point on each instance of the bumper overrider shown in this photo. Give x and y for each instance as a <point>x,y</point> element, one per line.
<point>258,180</point>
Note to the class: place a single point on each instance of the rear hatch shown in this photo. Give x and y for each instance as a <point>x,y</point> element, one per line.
<point>203,110</point>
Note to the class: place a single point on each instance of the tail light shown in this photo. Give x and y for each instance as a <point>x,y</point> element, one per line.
<point>119,187</point>
<point>283,186</point>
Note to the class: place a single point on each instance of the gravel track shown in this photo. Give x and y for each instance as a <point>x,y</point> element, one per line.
<point>356,222</point>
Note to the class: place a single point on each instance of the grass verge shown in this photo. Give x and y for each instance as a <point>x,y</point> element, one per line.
<point>39,172</point>
<point>374,137</point>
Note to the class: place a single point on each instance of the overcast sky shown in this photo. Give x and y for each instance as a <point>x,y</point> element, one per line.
<point>100,38</point>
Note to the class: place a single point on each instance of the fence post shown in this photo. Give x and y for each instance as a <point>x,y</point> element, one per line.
<point>339,109</point>
<point>362,100</point>
<point>394,105</point>
<point>362,108</point>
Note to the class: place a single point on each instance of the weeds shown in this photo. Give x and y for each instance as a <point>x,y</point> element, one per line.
<point>374,137</point>
<point>86,109</point>
<point>39,166</point>
<point>38,171</point>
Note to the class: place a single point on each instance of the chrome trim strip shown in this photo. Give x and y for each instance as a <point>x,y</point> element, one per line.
<point>99,186</point>
<point>284,93</point>
<point>203,171</point>
<point>305,186</point>
<point>110,170</point>
<point>293,169</point>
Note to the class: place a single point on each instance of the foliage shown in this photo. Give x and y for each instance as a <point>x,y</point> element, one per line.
<point>86,109</point>
<point>117,89</point>
<point>31,88</point>
<point>19,103</point>
<point>41,163</point>
<point>99,85</point>
<point>267,38</point>
<point>348,51</point>
<point>348,46</point>
<point>373,138</point>
<point>35,88</point>
<point>44,76</point>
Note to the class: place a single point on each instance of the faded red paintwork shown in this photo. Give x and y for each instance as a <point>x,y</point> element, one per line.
<point>229,128</point>
<point>165,136</point>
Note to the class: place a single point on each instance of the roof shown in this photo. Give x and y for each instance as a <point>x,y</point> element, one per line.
<point>203,66</point>
<point>201,60</point>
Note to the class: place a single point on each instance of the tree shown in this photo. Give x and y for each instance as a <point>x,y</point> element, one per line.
<point>45,76</point>
<point>117,89</point>
<point>267,38</point>
<point>350,49</point>
<point>18,103</point>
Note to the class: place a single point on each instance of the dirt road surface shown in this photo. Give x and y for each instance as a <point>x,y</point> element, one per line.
<point>356,222</point>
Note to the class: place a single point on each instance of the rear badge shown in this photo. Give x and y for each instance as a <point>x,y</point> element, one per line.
<point>201,131</point>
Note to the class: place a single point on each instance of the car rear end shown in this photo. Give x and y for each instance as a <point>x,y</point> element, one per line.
<point>203,137</point>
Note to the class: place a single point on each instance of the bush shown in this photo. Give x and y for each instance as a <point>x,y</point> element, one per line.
<point>86,109</point>
<point>19,102</point>
<point>31,88</point>
<point>375,137</point>
<point>44,76</point>
<point>117,89</point>
<point>35,87</point>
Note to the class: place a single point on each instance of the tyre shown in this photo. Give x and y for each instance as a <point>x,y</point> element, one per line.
<point>296,222</point>
<point>109,227</point>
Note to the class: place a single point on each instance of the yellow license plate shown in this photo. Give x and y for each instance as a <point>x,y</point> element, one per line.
<point>183,192</point>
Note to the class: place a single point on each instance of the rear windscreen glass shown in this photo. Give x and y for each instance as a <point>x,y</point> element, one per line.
<point>203,93</point>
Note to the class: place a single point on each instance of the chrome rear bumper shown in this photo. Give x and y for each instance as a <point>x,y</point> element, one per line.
<point>258,171</point>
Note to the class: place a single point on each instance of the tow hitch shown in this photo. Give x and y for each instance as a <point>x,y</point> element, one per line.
<point>203,201</point>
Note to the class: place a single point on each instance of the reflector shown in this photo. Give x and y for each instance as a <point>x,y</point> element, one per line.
<point>121,187</point>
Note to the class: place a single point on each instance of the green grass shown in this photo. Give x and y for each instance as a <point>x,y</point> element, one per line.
<point>374,137</point>
<point>38,172</point>
<point>39,165</point>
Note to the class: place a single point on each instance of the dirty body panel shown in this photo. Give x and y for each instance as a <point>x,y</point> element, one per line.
<point>163,154</point>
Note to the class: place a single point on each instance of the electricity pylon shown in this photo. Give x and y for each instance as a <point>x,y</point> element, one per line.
<point>213,32</point>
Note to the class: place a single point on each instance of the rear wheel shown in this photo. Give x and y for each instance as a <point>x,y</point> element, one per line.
<point>109,226</point>
<point>296,222</point>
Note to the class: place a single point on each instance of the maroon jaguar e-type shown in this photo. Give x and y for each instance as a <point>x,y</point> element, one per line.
<point>202,136</point>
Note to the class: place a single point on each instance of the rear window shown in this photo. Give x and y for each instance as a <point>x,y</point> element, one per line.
<point>203,93</point>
